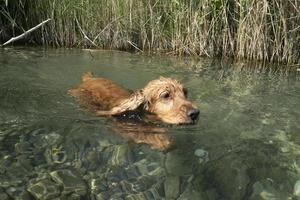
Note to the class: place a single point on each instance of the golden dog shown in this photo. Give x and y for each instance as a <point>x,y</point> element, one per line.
<point>164,98</point>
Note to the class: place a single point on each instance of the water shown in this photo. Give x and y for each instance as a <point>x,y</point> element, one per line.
<point>246,144</point>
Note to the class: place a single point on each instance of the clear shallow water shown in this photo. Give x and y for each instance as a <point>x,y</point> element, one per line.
<point>246,144</point>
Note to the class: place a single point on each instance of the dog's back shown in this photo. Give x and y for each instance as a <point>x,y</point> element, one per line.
<point>99,93</point>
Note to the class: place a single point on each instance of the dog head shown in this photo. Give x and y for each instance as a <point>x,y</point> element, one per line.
<point>164,97</point>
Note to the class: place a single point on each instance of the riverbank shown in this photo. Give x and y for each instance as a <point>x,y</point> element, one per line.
<point>252,30</point>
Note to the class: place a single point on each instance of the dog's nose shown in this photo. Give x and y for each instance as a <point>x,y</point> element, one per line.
<point>193,114</point>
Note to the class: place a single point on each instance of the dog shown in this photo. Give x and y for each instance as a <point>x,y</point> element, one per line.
<point>165,99</point>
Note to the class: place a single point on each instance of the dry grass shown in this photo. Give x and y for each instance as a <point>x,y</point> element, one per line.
<point>267,30</point>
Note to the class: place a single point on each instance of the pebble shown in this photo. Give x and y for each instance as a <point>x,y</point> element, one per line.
<point>70,181</point>
<point>202,154</point>
<point>44,189</point>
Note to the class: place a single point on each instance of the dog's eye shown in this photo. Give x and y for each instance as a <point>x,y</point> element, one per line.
<point>185,92</point>
<point>165,95</point>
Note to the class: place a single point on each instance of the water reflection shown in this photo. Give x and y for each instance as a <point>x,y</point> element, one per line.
<point>142,132</point>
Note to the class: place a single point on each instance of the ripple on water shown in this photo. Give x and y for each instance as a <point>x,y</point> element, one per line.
<point>245,145</point>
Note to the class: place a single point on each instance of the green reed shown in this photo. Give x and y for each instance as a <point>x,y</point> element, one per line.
<point>267,30</point>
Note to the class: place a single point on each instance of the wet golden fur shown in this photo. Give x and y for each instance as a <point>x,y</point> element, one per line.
<point>165,98</point>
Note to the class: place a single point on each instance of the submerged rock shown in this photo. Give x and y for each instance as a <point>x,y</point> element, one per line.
<point>52,138</point>
<point>144,167</point>
<point>103,144</point>
<point>297,189</point>
<point>70,180</point>
<point>121,155</point>
<point>101,196</point>
<point>92,160</point>
<point>74,196</point>
<point>251,161</point>
<point>44,189</point>
<point>264,190</point>
<point>152,193</point>
<point>97,185</point>
<point>24,195</point>
<point>172,187</point>
<point>140,180</point>
<point>190,193</point>
<point>55,155</point>
<point>202,154</point>
<point>22,147</point>
<point>4,196</point>
<point>18,193</point>
<point>177,163</point>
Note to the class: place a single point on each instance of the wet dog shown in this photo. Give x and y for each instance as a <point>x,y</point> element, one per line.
<point>164,98</point>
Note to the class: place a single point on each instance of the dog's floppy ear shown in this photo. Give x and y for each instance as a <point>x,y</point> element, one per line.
<point>132,103</point>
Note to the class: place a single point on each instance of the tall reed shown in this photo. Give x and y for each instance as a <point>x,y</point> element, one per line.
<point>267,30</point>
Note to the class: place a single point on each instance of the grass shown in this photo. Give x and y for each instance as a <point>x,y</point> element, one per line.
<point>267,30</point>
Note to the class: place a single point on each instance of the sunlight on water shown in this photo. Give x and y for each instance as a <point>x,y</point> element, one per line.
<point>246,144</point>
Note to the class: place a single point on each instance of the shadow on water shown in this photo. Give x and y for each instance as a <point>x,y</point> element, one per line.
<point>245,145</point>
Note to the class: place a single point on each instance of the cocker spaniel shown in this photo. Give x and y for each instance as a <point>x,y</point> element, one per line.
<point>164,99</point>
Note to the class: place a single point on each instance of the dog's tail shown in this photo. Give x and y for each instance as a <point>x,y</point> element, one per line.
<point>87,76</point>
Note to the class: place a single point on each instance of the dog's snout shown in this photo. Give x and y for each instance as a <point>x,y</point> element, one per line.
<point>193,113</point>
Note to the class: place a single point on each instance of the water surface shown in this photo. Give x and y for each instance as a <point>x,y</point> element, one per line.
<point>246,144</point>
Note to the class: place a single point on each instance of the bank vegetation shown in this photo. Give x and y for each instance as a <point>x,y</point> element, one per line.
<point>267,30</point>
